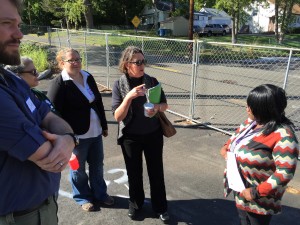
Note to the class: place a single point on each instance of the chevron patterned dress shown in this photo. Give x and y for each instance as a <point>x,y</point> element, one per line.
<point>267,162</point>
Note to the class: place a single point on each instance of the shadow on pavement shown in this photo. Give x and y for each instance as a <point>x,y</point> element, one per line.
<point>206,212</point>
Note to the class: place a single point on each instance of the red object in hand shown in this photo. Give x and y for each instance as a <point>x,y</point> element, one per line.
<point>73,162</point>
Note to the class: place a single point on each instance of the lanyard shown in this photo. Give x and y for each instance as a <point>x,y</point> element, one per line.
<point>246,133</point>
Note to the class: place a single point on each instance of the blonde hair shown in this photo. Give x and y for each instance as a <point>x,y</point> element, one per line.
<point>127,55</point>
<point>61,56</point>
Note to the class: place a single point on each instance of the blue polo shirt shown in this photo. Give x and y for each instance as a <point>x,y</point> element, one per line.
<point>24,185</point>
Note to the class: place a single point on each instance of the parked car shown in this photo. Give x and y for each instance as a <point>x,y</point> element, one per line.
<point>212,29</point>
<point>227,28</point>
<point>196,29</point>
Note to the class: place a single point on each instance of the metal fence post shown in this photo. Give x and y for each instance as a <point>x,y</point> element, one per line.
<point>193,80</point>
<point>143,44</point>
<point>107,61</point>
<point>58,38</point>
<point>68,40</point>
<point>287,70</point>
<point>49,35</point>
<point>85,51</point>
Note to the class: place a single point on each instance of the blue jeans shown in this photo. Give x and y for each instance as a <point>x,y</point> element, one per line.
<point>89,150</point>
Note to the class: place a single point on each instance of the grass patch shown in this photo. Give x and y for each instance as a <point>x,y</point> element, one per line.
<point>38,54</point>
<point>290,40</point>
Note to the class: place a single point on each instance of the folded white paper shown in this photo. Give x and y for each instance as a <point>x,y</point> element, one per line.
<point>234,178</point>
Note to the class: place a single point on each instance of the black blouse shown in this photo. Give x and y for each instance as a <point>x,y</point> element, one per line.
<point>139,124</point>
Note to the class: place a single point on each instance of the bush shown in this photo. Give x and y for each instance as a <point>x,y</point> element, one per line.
<point>295,30</point>
<point>38,54</point>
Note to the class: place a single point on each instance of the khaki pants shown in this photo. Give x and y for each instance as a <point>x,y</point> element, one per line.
<point>45,215</point>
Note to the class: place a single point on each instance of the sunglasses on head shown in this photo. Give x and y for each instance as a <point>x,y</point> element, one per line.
<point>139,62</point>
<point>33,72</point>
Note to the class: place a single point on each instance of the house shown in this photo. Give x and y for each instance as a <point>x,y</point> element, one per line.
<point>262,17</point>
<point>154,14</point>
<point>178,25</point>
<point>200,19</point>
<point>211,16</point>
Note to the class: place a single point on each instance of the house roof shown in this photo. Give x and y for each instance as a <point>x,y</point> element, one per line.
<point>214,12</point>
<point>200,13</point>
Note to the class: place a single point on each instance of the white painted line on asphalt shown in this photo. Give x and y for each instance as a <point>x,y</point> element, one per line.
<point>122,179</point>
<point>122,196</point>
<point>65,194</point>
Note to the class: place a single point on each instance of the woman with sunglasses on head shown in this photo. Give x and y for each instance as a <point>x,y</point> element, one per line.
<point>139,134</point>
<point>264,149</point>
<point>75,95</point>
<point>27,71</point>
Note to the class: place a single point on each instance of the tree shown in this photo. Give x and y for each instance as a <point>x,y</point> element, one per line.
<point>191,19</point>
<point>283,17</point>
<point>88,14</point>
<point>204,3</point>
<point>33,13</point>
<point>70,11</point>
<point>233,8</point>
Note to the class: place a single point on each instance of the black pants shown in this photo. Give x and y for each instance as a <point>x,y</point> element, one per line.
<point>133,147</point>
<point>248,218</point>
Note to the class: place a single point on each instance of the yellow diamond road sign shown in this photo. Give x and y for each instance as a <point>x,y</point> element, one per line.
<point>136,21</point>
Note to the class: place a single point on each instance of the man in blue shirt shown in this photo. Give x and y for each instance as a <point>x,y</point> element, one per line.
<point>35,143</point>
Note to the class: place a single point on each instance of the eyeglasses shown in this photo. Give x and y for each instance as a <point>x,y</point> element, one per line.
<point>72,61</point>
<point>33,72</point>
<point>140,62</point>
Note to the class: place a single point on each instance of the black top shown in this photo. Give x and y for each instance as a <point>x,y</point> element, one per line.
<point>139,124</point>
<point>73,106</point>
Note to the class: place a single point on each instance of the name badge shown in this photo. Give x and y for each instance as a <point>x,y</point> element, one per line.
<point>30,105</point>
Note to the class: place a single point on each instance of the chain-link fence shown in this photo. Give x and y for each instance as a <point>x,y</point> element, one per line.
<point>205,82</point>
<point>226,73</point>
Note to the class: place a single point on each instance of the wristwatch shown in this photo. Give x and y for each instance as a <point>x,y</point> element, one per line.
<point>75,138</point>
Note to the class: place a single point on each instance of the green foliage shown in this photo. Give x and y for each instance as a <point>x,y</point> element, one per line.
<point>204,3</point>
<point>73,11</point>
<point>38,54</point>
<point>34,13</point>
<point>291,40</point>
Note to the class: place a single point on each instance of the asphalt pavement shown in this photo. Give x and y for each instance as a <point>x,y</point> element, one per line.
<point>193,176</point>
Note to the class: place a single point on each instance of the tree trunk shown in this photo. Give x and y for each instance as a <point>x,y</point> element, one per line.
<point>191,20</point>
<point>276,20</point>
<point>173,5</point>
<point>88,14</point>
<point>29,14</point>
<point>233,32</point>
<point>237,19</point>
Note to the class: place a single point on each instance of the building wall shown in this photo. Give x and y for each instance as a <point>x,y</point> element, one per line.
<point>261,18</point>
<point>219,20</point>
<point>200,20</point>
<point>178,25</point>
